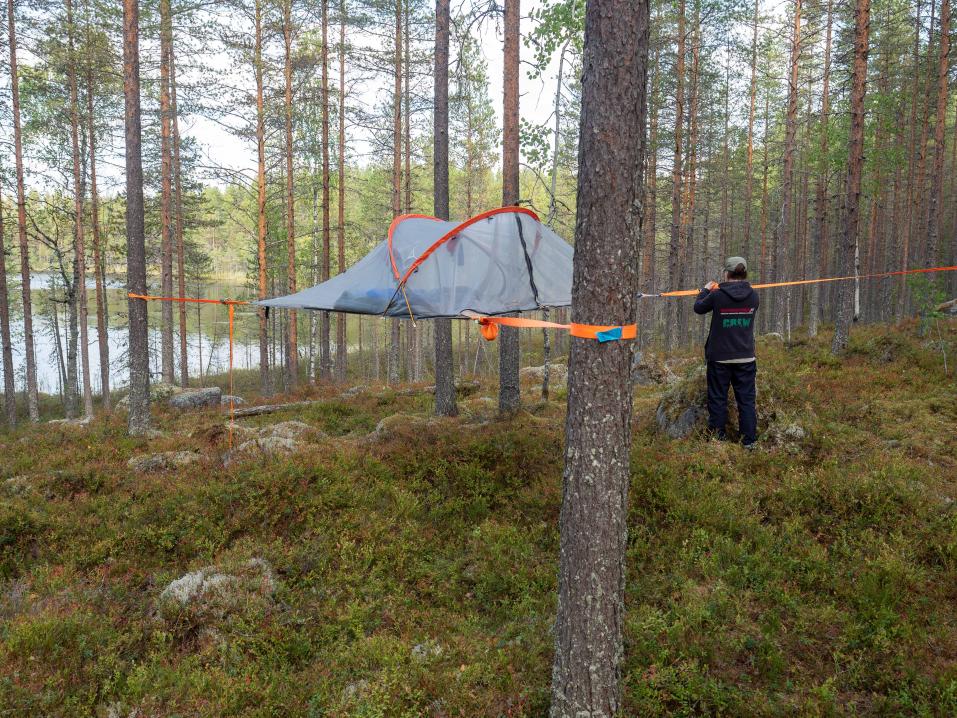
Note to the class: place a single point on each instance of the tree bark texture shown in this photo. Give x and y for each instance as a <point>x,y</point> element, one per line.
<point>444,361</point>
<point>588,631</point>
<point>509,394</point>
<point>33,396</point>
<point>855,164</point>
<point>139,400</point>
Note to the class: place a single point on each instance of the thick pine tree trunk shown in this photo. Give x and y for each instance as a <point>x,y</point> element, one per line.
<point>444,361</point>
<point>139,416</point>
<point>166,197</point>
<point>509,394</point>
<point>79,244</point>
<point>292,348</point>
<point>33,396</point>
<point>9,387</point>
<point>586,671</point>
<point>265,385</point>
<point>341,347</point>
<point>855,163</point>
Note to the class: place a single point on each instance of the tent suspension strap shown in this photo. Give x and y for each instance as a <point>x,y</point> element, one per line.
<point>798,282</point>
<point>231,305</point>
<point>599,332</point>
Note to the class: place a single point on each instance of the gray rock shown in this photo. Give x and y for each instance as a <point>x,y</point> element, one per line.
<point>197,398</point>
<point>19,485</point>
<point>355,688</point>
<point>163,461</point>
<point>354,391</point>
<point>557,374</point>
<point>647,369</point>
<point>206,597</point>
<point>392,426</point>
<point>261,446</point>
<point>425,651</point>
<point>237,400</point>
<point>794,432</point>
<point>772,337</point>
<point>288,430</point>
<point>681,425</point>
<point>80,422</point>
<point>159,391</point>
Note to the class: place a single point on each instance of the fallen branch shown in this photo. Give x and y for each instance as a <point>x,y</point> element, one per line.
<point>947,306</point>
<point>271,408</point>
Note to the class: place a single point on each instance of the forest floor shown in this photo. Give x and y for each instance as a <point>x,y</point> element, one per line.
<point>411,571</point>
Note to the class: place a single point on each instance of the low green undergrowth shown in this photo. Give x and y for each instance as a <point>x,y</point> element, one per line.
<point>414,574</point>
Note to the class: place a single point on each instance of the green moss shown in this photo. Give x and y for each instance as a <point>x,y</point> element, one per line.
<point>416,575</point>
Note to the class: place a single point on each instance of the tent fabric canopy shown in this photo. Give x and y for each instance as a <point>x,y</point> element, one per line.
<point>501,261</point>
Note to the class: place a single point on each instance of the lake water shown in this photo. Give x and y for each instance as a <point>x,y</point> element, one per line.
<point>207,331</point>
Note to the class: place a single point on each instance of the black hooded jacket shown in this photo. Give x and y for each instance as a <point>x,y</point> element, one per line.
<point>734,305</point>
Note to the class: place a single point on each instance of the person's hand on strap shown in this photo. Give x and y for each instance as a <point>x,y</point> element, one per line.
<point>711,286</point>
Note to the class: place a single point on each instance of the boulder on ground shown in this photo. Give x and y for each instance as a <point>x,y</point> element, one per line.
<point>236,400</point>
<point>197,398</point>
<point>159,390</point>
<point>261,446</point>
<point>395,425</point>
<point>648,369</point>
<point>163,461</point>
<point>557,374</point>
<point>289,430</point>
<point>683,410</point>
<point>205,603</point>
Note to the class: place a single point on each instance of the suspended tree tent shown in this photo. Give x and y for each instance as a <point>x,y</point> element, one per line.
<point>504,260</point>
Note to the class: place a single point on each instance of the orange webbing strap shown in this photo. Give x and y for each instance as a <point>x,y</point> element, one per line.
<point>798,282</point>
<point>231,304</point>
<point>600,332</point>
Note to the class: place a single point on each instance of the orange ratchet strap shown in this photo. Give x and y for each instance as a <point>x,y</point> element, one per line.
<point>798,282</point>
<point>600,332</point>
<point>231,304</point>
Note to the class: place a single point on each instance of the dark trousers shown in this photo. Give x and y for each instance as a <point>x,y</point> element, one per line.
<point>741,377</point>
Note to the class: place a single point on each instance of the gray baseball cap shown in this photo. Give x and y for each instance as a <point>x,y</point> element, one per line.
<point>731,263</point>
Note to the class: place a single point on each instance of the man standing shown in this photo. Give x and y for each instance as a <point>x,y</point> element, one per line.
<point>729,350</point>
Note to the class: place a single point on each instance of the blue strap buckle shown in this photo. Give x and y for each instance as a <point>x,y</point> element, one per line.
<point>609,335</point>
